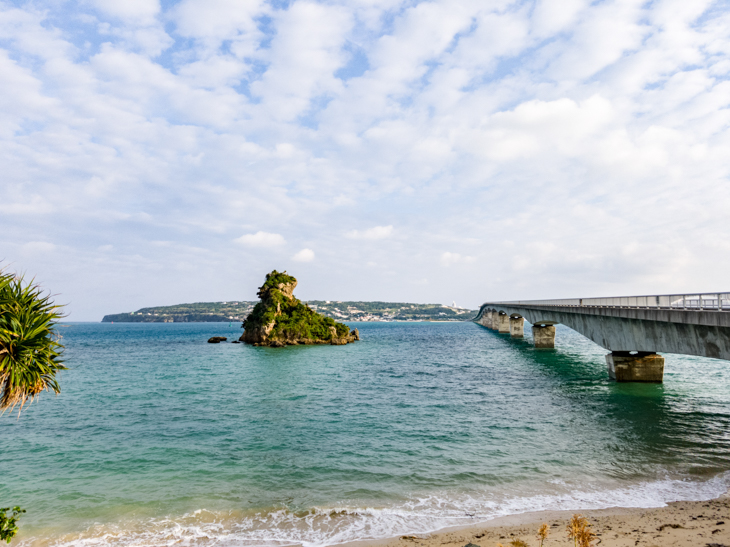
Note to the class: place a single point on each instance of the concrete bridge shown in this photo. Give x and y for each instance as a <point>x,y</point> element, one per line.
<point>634,328</point>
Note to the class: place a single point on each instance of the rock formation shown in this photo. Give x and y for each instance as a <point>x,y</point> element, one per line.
<point>280,319</point>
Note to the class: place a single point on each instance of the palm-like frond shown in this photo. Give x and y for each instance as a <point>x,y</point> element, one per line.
<point>30,348</point>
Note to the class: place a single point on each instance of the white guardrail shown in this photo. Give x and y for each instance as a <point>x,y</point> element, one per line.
<point>705,301</point>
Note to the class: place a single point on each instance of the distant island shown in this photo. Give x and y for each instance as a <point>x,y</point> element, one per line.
<point>280,319</point>
<point>217,312</point>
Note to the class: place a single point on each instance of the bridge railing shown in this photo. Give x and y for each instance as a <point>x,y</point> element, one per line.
<point>695,301</point>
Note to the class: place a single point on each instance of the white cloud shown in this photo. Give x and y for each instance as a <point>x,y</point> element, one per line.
<point>305,255</point>
<point>150,40</point>
<point>552,16</point>
<point>449,259</point>
<point>131,10</point>
<point>303,62</point>
<point>217,20</point>
<point>374,233</point>
<point>261,239</point>
<point>38,247</point>
<point>600,38</point>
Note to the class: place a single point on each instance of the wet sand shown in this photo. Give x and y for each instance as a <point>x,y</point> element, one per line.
<point>680,524</point>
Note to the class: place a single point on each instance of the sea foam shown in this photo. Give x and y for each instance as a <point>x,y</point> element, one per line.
<point>324,526</point>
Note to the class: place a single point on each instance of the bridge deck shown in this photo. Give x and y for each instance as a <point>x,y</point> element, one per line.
<point>696,324</point>
<point>696,301</point>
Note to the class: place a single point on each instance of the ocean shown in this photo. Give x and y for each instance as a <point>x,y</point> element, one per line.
<point>159,438</point>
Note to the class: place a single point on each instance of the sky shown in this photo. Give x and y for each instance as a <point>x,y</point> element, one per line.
<point>162,152</point>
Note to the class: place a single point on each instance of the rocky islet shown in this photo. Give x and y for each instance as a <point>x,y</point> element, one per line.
<point>280,319</point>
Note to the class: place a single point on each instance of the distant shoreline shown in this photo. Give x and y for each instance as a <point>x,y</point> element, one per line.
<point>343,311</point>
<point>239,321</point>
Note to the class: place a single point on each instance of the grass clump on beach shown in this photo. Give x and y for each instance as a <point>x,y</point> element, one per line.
<point>579,530</point>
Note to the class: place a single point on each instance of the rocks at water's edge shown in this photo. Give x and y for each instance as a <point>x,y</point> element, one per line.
<point>280,319</point>
<point>217,339</point>
<point>341,341</point>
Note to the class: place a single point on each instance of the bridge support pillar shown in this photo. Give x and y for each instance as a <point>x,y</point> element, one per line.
<point>502,323</point>
<point>482,320</point>
<point>640,367</point>
<point>517,327</point>
<point>543,336</point>
<point>489,320</point>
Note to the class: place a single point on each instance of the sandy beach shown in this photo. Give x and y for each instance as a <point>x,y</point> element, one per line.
<point>680,524</point>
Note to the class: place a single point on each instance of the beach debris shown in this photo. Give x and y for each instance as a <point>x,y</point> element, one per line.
<point>217,339</point>
<point>675,526</point>
<point>471,545</point>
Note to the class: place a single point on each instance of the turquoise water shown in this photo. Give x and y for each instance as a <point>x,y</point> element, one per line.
<point>159,438</point>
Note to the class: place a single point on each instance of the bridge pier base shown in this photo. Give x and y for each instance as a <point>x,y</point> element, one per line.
<point>640,367</point>
<point>517,327</point>
<point>543,336</point>
<point>486,320</point>
<point>503,323</point>
<point>495,320</point>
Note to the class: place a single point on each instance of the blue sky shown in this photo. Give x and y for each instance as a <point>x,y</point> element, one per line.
<point>156,153</point>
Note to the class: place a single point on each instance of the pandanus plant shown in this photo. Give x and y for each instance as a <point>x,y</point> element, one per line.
<point>30,348</point>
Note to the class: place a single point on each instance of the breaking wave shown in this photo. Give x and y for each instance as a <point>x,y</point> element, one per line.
<point>324,526</point>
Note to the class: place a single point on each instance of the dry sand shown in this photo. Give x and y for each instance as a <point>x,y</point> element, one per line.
<point>681,524</point>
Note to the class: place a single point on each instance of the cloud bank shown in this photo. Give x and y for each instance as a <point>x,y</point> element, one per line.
<point>305,255</point>
<point>261,239</point>
<point>374,233</point>
<point>537,148</point>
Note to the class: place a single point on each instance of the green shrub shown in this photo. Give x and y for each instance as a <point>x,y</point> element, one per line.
<point>8,526</point>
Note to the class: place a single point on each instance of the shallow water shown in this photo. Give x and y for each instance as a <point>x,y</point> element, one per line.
<point>159,438</point>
